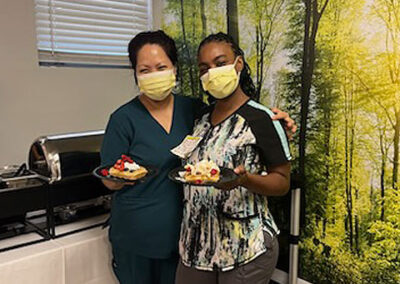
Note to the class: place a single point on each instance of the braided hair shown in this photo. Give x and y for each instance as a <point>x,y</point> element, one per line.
<point>245,82</point>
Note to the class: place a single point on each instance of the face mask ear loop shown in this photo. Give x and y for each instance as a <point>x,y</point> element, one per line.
<point>236,60</point>
<point>234,65</point>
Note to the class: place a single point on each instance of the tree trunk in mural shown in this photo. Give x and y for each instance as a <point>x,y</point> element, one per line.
<point>357,227</point>
<point>260,49</point>
<point>396,142</point>
<point>383,149</point>
<point>348,164</point>
<point>203,20</point>
<point>311,23</point>
<point>351,161</point>
<point>186,48</point>
<point>327,139</point>
<point>232,17</point>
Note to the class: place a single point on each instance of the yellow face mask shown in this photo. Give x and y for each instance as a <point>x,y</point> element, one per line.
<point>221,82</point>
<point>157,85</point>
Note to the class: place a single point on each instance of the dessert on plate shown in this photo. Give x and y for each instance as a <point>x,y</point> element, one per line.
<point>202,172</point>
<point>126,168</point>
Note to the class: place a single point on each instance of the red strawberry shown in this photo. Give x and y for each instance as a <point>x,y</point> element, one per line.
<point>104,172</point>
<point>119,166</point>
<point>125,158</point>
<point>214,172</point>
<point>188,169</point>
<point>198,181</point>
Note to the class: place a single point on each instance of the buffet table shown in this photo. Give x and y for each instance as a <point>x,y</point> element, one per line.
<point>79,258</point>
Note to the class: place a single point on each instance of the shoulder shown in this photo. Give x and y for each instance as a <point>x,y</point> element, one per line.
<point>256,112</point>
<point>125,110</point>
<point>270,134</point>
<point>259,118</point>
<point>198,107</point>
<point>189,101</point>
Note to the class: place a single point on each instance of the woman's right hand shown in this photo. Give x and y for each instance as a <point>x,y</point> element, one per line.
<point>114,185</point>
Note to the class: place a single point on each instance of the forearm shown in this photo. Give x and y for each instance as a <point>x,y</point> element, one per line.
<point>113,185</point>
<point>273,184</point>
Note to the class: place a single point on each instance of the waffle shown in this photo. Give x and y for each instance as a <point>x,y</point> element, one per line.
<point>201,172</point>
<point>126,168</point>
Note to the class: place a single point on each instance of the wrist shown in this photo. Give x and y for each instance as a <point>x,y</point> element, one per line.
<point>243,179</point>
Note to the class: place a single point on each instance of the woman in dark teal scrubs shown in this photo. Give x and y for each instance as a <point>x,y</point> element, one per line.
<point>146,217</point>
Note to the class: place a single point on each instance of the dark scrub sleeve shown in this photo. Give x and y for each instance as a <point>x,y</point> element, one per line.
<point>270,136</point>
<point>116,141</point>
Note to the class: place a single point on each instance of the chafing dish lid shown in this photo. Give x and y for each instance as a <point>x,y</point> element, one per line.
<point>66,155</point>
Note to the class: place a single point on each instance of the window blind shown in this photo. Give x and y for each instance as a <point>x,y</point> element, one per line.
<point>92,32</point>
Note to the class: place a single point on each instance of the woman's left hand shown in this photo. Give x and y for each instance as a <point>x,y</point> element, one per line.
<point>241,179</point>
<point>290,125</point>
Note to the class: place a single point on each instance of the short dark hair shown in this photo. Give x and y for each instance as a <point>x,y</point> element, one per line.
<point>246,83</point>
<point>152,37</point>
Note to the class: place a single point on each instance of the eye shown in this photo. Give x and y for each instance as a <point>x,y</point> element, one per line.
<point>203,71</point>
<point>161,68</point>
<point>220,63</point>
<point>144,71</point>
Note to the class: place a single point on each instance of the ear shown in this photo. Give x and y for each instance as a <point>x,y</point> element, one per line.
<point>239,64</point>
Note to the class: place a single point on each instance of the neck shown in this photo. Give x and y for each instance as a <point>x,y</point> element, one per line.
<point>232,102</point>
<point>151,104</point>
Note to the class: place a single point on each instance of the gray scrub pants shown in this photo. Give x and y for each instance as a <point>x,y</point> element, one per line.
<point>258,271</point>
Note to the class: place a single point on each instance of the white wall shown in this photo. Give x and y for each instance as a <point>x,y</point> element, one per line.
<point>35,100</point>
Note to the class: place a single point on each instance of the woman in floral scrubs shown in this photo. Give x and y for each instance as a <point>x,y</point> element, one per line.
<point>228,234</point>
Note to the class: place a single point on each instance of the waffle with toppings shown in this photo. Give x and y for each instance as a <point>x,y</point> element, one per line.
<point>126,168</point>
<point>201,172</point>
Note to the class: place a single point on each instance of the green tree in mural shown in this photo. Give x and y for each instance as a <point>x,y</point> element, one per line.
<point>266,21</point>
<point>314,10</point>
<point>389,13</point>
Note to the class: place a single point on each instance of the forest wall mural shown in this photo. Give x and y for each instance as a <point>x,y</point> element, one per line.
<point>334,65</point>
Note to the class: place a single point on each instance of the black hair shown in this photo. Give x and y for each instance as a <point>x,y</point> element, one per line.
<point>245,82</point>
<point>152,37</point>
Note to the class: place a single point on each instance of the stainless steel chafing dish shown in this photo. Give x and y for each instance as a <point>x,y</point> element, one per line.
<point>67,162</point>
<point>59,157</point>
<point>57,181</point>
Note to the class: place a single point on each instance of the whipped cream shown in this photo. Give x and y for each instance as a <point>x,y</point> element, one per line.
<point>131,166</point>
<point>204,167</point>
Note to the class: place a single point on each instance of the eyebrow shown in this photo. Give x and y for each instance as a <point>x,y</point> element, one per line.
<point>223,56</point>
<point>147,66</point>
<point>220,57</point>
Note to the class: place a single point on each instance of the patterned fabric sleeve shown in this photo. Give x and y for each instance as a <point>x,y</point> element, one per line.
<point>270,135</point>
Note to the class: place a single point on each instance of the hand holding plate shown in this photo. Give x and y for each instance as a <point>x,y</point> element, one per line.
<point>239,181</point>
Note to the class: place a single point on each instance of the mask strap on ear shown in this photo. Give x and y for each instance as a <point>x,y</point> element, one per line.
<point>236,60</point>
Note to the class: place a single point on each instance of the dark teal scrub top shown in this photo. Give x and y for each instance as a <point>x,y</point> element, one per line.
<point>146,217</point>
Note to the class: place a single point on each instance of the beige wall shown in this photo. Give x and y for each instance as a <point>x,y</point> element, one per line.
<point>37,100</point>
